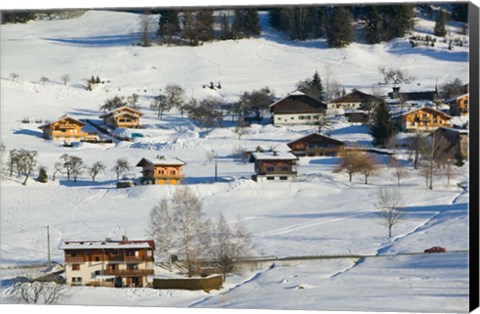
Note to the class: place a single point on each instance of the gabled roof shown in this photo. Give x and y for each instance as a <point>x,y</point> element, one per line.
<point>95,245</point>
<point>356,96</point>
<point>453,99</point>
<point>161,161</point>
<point>298,102</point>
<point>64,117</point>
<point>317,137</point>
<point>402,114</point>
<point>118,110</point>
<point>273,156</point>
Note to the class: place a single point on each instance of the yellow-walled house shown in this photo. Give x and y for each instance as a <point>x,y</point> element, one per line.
<point>422,120</point>
<point>66,128</point>
<point>161,170</point>
<point>122,117</point>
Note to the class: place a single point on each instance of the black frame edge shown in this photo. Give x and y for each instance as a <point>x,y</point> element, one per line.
<point>473,15</point>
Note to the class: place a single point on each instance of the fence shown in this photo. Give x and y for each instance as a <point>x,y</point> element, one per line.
<point>206,284</point>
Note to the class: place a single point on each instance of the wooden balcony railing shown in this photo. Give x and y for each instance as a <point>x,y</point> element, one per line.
<point>128,272</point>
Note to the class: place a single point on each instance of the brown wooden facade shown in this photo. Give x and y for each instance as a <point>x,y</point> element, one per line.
<point>274,166</point>
<point>66,128</point>
<point>316,145</point>
<point>459,105</point>
<point>354,100</point>
<point>122,117</point>
<point>422,119</point>
<point>161,171</point>
<point>456,141</point>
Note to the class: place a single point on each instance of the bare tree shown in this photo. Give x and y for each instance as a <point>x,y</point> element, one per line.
<point>146,24</point>
<point>95,169</point>
<point>121,166</point>
<point>175,96</point>
<point>395,76</point>
<point>41,292</point>
<point>14,76</point>
<point>388,205</point>
<point>415,144</point>
<point>322,121</point>
<point>27,161</point>
<point>162,228</point>
<point>240,129</point>
<point>434,153</point>
<point>367,165</point>
<point>160,105</point>
<point>65,79</point>
<point>400,172</point>
<point>12,162</point>
<point>72,166</point>
<point>350,162</point>
<point>44,80</point>
<point>77,167</point>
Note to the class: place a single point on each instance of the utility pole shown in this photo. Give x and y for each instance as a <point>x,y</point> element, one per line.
<point>48,243</point>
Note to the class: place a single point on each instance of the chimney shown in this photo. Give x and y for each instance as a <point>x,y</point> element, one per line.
<point>124,238</point>
<point>275,153</point>
<point>396,92</point>
<point>160,157</point>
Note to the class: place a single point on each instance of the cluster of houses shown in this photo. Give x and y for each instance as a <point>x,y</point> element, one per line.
<point>129,263</point>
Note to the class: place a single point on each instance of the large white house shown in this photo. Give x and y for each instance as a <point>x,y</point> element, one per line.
<point>297,108</point>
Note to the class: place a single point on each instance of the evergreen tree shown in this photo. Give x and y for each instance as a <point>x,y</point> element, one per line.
<point>277,19</point>
<point>225,28</point>
<point>374,25</point>
<point>381,127</point>
<point>204,24</point>
<point>397,20</point>
<point>318,18</point>
<point>246,23</point>
<point>339,28</point>
<point>168,25</point>
<point>42,175</point>
<point>440,22</point>
<point>312,87</point>
<point>17,16</point>
<point>298,21</point>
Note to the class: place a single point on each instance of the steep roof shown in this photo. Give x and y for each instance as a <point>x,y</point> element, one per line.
<point>64,117</point>
<point>356,96</point>
<point>298,102</point>
<point>121,109</point>
<point>161,161</point>
<point>431,110</point>
<point>317,137</point>
<point>454,99</point>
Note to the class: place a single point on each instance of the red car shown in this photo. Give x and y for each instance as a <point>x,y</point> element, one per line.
<point>435,249</point>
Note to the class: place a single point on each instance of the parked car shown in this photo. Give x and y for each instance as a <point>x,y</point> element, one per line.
<point>435,249</point>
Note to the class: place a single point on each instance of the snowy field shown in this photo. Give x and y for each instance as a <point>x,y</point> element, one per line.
<point>321,213</point>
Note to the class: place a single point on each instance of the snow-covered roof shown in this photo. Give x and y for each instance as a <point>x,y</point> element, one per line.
<point>93,245</point>
<point>403,113</point>
<point>274,156</point>
<point>415,88</point>
<point>455,98</point>
<point>163,161</point>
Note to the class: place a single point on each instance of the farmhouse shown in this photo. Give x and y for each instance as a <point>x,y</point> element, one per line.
<point>109,263</point>
<point>316,145</point>
<point>66,128</point>
<point>297,108</point>
<point>413,92</point>
<point>161,170</point>
<point>458,105</point>
<point>354,101</point>
<point>122,117</point>
<point>274,166</point>
<point>456,139</point>
<point>421,119</point>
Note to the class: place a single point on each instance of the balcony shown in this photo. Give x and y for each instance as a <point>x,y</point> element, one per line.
<point>74,259</point>
<point>128,272</point>
<point>138,259</point>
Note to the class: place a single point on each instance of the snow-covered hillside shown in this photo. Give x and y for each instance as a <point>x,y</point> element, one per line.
<point>320,213</point>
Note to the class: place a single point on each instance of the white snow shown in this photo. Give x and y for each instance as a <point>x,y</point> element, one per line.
<point>320,213</point>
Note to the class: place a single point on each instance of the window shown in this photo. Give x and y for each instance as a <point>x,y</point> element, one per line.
<point>301,117</point>
<point>132,266</point>
<point>308,117</point>
<point>97,258</point>
<point>76,280</point>
<point>283,178</point>
<point>270,169</point>
<point>291,118</point>
<point>270,178</point>
<point>75,266</point>
<point>112,266</point>
<point>172,172</point>
<point>284,168</point>
<point>97,273</point>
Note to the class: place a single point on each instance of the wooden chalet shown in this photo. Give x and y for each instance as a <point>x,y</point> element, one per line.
<point>109,263</point>
<point>297,108</point>
<point>421,120</point>
<point>354,101</point>
<point>64,129</point>
<point>458,105</point>
<point>161,170</point>
<point>274,166</point>
<point>456,140</point>
<point>122,117</point>
<point>316,145</point>
<point>413,92</point>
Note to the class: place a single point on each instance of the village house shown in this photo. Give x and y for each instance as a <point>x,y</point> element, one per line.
<point>421,120</point>
<point>109,263</point>
<point>458,105</point>
<point>122,117</point>
<point>161,170</point>
<point>411,92</point>
<point>456,140</point>
<point>357,116</point>
<point>297,108</point>
<point>355,100</point>
<point>66,128</point>
<point>316,145</point>
<point>274,166</point>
